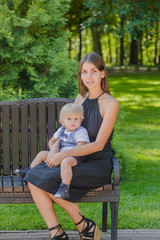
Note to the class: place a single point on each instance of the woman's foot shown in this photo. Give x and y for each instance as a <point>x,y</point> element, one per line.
<point>60,234</point>
<point>89,230</point>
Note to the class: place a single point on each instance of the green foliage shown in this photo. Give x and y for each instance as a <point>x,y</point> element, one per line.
<point>33,56</point>
<point>138,17</point>
<point>136,142</point>
<point>100,14</point>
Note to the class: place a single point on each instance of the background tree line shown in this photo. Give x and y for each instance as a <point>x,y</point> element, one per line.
<point>123,31</point>
<point>41,41</point>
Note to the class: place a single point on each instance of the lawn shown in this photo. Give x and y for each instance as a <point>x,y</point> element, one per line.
<point>137,145</point>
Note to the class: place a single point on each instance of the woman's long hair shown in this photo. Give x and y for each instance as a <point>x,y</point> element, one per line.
<point>97,60</point>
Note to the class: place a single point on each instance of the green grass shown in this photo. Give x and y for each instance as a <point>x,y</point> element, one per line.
<point>137,145</point>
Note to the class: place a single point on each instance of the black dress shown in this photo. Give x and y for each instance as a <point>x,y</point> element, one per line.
<point>94,172</point>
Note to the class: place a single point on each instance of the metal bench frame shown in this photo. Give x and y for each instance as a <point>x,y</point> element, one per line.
<point>26,126</point>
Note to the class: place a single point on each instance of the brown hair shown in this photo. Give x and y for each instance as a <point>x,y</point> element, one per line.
<point>97,60</point>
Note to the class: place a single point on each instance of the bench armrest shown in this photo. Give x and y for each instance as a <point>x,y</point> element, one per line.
<point>116,176</point>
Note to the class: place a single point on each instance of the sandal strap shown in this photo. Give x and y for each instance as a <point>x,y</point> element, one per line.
<point>86,232</point>
<point>58,226</point>
<point>83,217</point>
<point>62,236</point>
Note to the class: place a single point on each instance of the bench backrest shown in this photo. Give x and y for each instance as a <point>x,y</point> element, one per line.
<point>26,127</point>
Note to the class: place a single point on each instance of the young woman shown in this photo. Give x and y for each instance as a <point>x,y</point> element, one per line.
<point>100,113</point>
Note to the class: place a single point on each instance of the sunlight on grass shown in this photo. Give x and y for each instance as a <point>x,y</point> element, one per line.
<point>137,145</point>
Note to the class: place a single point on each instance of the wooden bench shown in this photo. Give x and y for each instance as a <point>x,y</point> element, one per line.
<point>26,127</point>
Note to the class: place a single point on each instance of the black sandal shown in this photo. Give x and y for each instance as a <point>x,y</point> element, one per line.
<point>87,233</point>
<point>62,236</point>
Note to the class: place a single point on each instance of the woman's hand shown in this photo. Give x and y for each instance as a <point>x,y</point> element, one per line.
<point>55,159</point>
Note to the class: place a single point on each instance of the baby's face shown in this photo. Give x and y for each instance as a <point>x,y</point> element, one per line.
<point>72,122</point>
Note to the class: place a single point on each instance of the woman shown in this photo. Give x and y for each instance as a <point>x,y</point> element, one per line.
<point>100,113</point>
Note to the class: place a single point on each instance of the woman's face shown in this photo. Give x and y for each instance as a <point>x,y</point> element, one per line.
<point>91,76</point>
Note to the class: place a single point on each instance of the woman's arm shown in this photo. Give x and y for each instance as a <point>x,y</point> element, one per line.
<point>110,112</point>
<point>109,119</point>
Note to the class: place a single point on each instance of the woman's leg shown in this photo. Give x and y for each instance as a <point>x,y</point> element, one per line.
<point>91,230</point>
<point>45,205</point>
<point>72,209</point>
<point>43,201</point>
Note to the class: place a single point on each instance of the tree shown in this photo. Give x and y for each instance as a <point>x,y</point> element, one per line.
<point>140,16</point>
<point>33,56</point>
<point>75,16</point>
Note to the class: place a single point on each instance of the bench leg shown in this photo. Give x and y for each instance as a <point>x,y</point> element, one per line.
<point>104,216</point>
<point>114,220</point>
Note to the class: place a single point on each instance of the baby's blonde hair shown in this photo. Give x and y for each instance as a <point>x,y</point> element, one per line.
<point>71,108</point>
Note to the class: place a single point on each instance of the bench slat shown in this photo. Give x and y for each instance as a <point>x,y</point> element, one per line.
<point>33,131</point>
<point>59,106</point>
<point>24,137</point>
<point>17,184</point>
<point>42,127</point>
<point>15,137</point>
<point>0,184</point>
<point>108,187</point>
<point>51,119</point>
<point>7,184</point>
<point>6,140</point>
<point>1,146</point>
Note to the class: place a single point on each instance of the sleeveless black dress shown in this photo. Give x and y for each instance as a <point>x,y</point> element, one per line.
<point>94,172</point>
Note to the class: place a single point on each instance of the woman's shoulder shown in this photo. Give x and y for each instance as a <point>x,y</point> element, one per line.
<point>107,101</point>
<point>80,99</point>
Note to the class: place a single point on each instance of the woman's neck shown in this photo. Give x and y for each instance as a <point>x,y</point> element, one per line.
<point>94,94</point>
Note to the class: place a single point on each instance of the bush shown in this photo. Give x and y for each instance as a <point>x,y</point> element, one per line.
<point>33,55</point>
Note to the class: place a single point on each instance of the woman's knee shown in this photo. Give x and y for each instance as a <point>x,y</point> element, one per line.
<point>30,185</point>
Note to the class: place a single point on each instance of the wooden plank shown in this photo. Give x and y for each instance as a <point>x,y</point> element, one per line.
<point>6,140</point>
<point>7,184</point>
<point>15,137</point>
<point>0,139</point>
<point>0,184</point>
<point>108,187</point>
<point>25,187</point>
<point>51,119</point>
<point>14,198</point>
<point>59,106</point>
<point>33,131</point>
<point>42,127</point>
<point>101,196</point>
<point>24,137</point>
<point>34,101</point>
<point>17,184</point>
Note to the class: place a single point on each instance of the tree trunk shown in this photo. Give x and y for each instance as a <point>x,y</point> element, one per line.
<point>122,51</point>
<point>141,49</point>
<point>80,44</point>
<point>96,40</point>
<point>156,58</point>
<point>69,47</point>
<point>117,54</point>
<point>69,44</point>
<point>110,50</point>
<point>80,34</point>
<point>122,43</point>
<point>133,52</point>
